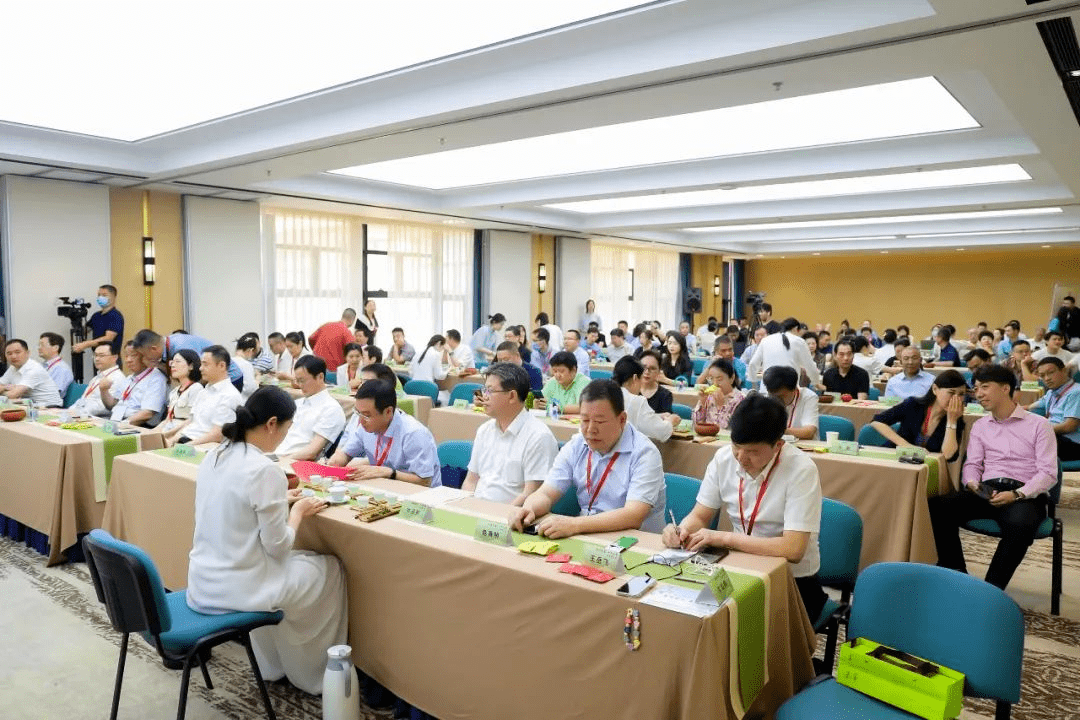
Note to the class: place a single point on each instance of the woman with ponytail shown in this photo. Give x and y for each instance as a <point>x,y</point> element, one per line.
<point>430,365</point>
<point>242,557</point>
<point>295,348</point>
<point>785,348</point>
<point>488,336</point>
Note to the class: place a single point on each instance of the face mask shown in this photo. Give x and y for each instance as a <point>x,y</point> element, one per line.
<point>102,301</point>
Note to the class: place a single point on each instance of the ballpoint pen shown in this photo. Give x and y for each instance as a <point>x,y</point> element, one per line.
<point>671,514</point>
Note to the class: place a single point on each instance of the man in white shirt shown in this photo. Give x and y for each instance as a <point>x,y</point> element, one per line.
<point>388,444</point>
<point>785,348</point>
<point>912,381</point>
<point>691,339</point>
<point>706,336</point>
<point>140,397</point>
<point>25,378</point>
<point>639,413</point>
<point>461,355</point>
<point>216,404</point>
<point>555,333</point>
<point>887,351</point>
<point>705,326</point>
<point>801,404</point>
<point>572,344</point>
<point>90,402</point>
<point>50,345</point>
<point>513,451</point>
<point>1055,347</point>
<point>614,470</point>
<point>780,519</point>
<point>617,346</point>
<point>283,361</point>
<point>864,357</point>
<point>319,418</point>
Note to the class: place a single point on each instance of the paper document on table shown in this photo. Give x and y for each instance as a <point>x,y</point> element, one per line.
<point>678,599</point>
<point>441,495</point>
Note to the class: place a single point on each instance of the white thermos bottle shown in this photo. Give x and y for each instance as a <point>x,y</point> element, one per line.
<point>340,691</point>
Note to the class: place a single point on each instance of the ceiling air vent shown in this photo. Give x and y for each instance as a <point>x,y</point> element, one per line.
<point>1060,39</point>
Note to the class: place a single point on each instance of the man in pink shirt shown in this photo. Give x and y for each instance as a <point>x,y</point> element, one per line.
<point>1010,443</point>
<point>329,341</point>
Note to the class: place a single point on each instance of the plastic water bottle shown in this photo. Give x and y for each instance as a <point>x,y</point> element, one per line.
<point>341,690</point>
<point>553,410</point>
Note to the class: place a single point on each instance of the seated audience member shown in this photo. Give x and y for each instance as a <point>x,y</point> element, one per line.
<point>846,377</point>
<point>593,347</point>
<point>282,358</point>
<point>542,350</point>
<point>945,355</point>
<point>242,558</point>
<point>1061,406</point>
<point>1008,444</point>
<point>295,348</point>
<point>800,404</point>
<point>659,397</point>
<point>1011,335</point>
<point>507,352</point>
<point>718,396</point>
<point>1038,340</point>
<point>555,333</point>
<point>185,372</point>
<point>689,338</point>
<point>1019,362</point>
<point>487,337</point>
<point>49,347</point>
<point>614,470</point>
<point>514,450</point>
<point>459,354</point>
<point>369,355</point>
<point>912,380</point>
<point>627,375</point>
<point>430,364</point>
<point>263,360</point>
<point>706,334</point>
<point>139,398</point>
<point>565,385</point>
<point>516,334</point>
<point>824,343</point>
<point>330,339</point>
<point>1055,347</point>
<point>887,350</point>
<point>986,343</point>
<point>400,352</point>
<point>246,350</point>
<point>934,421</point>
<point>811,340</point>
<point>617,349</point>
<point>348,373</point>
<point>319,418</point>
<point>723,349</point>
<point>378,371</point>
<point>90,402</point>
<point>643,339</point>
<point>748,353</point>
<point>361,335</point>
<point>156,350</point>
<point>976,358</point>
<point>26,378</point>
<point>572,345</point>
<point>389,443</point>
<point>864,357</point>
<point>216,404</point>
<point>903,331</point>
<point>675,361</point>
<point>787,520</point>
<point>898,345</point>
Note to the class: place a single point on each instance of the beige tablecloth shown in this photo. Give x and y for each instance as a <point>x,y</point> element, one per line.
<point>462,629</point>
<point>49,482</point>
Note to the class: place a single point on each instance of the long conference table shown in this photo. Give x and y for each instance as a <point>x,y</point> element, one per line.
<point>463,629</point>
<point>889,495</point>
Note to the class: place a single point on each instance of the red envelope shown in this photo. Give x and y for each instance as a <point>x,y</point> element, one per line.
<point>569,568</point>
<point>599,576</point>
<point>558,558</point>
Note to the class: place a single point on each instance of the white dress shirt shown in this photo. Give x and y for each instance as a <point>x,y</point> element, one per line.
<point>771,352</point>
<point>641,415</point>
<point>463,355</point>
<point>145,390</point>
<point>215,406</point>
<point>43,390</point>
<point>869,363</point>
<point>90,403</point>
<point>427,365</point>
<point>317,414</point>
<point>505,461</point>
<point>247,371</point>
<point>636,474</point>
<point>792,500</point>
<point>804,411</point>
<point>283,363</point>
<point>885,353</point>
<point>555,335</point>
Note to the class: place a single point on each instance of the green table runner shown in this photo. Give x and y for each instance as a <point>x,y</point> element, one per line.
<point>104,448</point>
<point>195,459</point>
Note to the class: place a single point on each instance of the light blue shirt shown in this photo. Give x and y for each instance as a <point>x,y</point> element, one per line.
<point>485,337</point>
<point>412,447</point>
<point>1004,348</point>
<point>740,368</point>
<point>582,361</point>
<point>902,386</point>
<point>637,474</point>
<point>748,354</point>
<point>61,374</point>
<point>1060,404</point>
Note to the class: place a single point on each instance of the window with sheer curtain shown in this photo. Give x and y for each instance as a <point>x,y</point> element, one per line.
<point>421,276</point>
<point>651,276</point>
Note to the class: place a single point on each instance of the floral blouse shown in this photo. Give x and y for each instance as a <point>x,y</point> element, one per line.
<point>710,411</point>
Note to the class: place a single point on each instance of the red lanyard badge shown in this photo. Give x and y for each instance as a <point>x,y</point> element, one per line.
<point>136,381</point>
<point>603,479</point>
<point>749,529</point>
<point>380,454</point>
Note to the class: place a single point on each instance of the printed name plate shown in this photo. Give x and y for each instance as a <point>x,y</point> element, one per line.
<point>604,558</point>
<point>416,512</point>
<point>183,451</point>
<point>846,447</point>
<point>493,531</point>
<point>109,427</point>
<point>718,587</point>
<point>461,404</point>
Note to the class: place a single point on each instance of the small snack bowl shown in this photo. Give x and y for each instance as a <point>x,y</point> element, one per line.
<point>706,429</point>
<point>13,414</point>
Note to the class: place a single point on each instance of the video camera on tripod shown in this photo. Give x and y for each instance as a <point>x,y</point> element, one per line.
<point>76,311</point>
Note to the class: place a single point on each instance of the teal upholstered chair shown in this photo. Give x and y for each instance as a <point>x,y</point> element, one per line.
<point>681,492</point>
<point>840,546</point>
<point>454,456</point>
<point>835,423</point>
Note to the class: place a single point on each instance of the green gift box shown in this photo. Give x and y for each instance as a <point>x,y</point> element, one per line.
<point>910,683</point>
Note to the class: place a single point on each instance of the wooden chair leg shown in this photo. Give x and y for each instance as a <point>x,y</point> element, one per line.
<point>245,640</point>
<point>119,677</point>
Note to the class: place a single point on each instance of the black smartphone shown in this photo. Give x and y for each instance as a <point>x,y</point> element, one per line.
<point>530,530</point>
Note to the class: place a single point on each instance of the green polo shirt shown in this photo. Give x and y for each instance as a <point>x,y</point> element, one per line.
<point>565,396</point>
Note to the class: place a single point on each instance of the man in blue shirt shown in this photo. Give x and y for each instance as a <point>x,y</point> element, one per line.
<point>1060,405</point>
<point>106,325</point>
<point>913,381</point>
<point>508,352</point>
<point>947,356</point>
<point>572,344</point>
<point>1012,334</point>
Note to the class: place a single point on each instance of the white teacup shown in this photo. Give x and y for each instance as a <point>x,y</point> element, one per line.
<point>338,493</point>
<point>832,437</point>
<point>317,481</point>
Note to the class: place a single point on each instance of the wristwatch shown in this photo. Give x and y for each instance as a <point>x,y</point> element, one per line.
<point>393,473</point>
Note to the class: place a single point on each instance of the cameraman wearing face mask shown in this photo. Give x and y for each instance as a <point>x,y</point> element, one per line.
<point>106,325</point>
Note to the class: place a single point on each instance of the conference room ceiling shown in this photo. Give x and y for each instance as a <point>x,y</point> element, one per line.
<point>774,128</point>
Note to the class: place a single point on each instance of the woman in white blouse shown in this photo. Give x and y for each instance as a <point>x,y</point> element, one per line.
<point>430,364</point>
<point>186,378</point>
<point>348,374</point>
<point>242,557</point>
<point>295,348</point>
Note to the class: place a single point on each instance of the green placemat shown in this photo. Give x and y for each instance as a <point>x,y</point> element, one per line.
<point>195,459</point>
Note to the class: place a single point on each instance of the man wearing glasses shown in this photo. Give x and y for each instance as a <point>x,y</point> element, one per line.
<point>513,451</point>
<point>1060,405</point>
<point>389,443</point>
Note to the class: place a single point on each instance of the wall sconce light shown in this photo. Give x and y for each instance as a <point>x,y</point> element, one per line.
<point>541,278</point>
<point>148,267</point>
<point>716,285</point>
